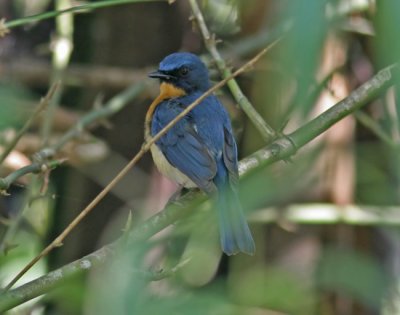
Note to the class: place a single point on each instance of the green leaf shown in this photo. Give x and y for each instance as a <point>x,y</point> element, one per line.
<point>352,274</point>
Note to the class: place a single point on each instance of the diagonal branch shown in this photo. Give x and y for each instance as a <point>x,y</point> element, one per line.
<point>280,149</point>
<point>51,280</point>
<point>265,130</point>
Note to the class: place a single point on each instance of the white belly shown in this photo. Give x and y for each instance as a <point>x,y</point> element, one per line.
<point>168,170</point>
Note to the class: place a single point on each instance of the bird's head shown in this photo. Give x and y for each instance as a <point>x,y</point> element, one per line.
<point>184,71</point>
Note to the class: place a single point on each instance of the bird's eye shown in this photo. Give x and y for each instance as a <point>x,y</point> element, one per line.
<point>183,71</point>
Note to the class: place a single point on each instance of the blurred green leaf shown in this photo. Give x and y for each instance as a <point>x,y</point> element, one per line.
<point>272,288</point>
<point>373,186</point>
<point>203,251</point>
<point>71,295</point>
<point>13,106</point>
<point>27,7</point>
<point>222,16</point>
<point>352,274</point>
<point>388,24</point>
<point>123,288</point>
<point>301,50</point>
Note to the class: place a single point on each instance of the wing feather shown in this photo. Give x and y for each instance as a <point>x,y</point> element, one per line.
<point>183,147</point>
<point>230,157</point>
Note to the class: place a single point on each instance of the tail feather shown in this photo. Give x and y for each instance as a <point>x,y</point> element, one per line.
<point>235,233</point>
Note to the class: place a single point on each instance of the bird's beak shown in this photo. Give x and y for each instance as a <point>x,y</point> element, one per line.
<point>160,75</point>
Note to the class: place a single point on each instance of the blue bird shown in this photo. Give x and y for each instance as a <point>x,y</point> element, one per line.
<point>200,150</point>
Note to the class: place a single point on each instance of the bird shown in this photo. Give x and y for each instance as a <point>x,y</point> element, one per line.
<point>200,150</point>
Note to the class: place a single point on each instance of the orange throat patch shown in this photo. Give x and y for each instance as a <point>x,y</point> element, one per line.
<point>167,91</point>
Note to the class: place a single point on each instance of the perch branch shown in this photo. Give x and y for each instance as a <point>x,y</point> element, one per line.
<point>287,145</point>
<point>51,280</point>
<point>297,214</point>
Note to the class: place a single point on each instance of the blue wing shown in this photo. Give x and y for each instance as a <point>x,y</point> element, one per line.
<point>230,157</point>
<point>183,147</point>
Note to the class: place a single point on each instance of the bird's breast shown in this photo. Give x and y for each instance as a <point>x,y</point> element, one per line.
<point>168,170</point>
<point>167,91</point>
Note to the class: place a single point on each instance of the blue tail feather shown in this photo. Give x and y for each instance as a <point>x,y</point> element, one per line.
<point>235,233</point>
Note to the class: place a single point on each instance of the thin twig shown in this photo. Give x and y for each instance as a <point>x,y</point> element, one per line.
<point>372,125</point>
<point>37,73</point>
<point>167,273</point>
<point>244,46</point>
<point>37,167</point>
<point>146,147</point>
<point>311,96</point>
<point>44,102</point>
<point>111,107</point>
<point>172,213</point>
<point>265,130</point>
<point>77,8</point>
<point>62,49</point>
<point>15,221</point>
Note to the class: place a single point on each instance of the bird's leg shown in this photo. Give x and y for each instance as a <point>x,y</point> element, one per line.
<point>177,194</point>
